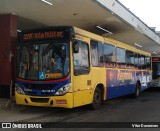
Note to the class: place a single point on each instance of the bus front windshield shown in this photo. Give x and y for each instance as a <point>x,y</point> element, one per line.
<point>43,61</point>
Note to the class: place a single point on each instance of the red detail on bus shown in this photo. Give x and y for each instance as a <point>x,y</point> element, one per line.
<point>59,80</point>
<point>155,59</point>
<point>61,102</point>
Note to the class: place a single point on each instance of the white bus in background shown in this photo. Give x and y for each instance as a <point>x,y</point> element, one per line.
<point>156,72</point>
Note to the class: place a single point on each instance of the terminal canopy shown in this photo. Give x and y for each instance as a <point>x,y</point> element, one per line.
<point>104,17</point>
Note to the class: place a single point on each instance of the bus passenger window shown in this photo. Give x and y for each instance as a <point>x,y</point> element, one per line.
<point>143,62</point>
<point>97,53</point>
<point>137,61</point>
<point>130,59</point>
<point>148,63</point>
<point>94,53</point>
<point>121,55</point>
<point>109,55</point>
<point>100,54</point>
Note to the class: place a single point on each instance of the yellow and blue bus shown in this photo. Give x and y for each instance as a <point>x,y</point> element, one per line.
<point>65,66</point>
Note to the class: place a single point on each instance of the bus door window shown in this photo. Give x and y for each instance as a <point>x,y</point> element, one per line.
<point>81,58</point>
<point>130,59</point>
<point>121,57</point>
<point>109,56</point>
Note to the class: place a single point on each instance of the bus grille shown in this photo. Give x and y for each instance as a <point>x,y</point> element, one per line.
<point>41,86</point>
<point>47,93</point>
<point>40,100</point>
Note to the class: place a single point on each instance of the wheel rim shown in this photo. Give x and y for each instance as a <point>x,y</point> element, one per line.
<point>97,98</point>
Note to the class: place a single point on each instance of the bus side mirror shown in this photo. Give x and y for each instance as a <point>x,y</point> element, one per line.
<point>75,47</point>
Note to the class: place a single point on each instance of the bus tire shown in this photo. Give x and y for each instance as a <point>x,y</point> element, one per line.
<point>97,99</point>
<point>138,89</point>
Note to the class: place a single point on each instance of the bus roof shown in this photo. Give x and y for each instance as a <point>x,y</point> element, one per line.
<point>74,30</point>
<point>109,41</point>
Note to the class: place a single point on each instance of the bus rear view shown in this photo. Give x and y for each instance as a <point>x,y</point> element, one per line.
<point>156,71</point>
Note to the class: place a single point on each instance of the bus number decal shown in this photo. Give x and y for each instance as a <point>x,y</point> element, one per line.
<point>28,36</point>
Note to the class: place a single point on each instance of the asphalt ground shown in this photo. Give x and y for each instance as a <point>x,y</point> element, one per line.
<point>124,109</point>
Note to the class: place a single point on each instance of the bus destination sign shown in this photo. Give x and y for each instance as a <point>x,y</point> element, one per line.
<point>155,59</point>
<point>43,35</point>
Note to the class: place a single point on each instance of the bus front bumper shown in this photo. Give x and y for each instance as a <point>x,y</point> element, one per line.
<point>156,83</point>
<point>65,101</point>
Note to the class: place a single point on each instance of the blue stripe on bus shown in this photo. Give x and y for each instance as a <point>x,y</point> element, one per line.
<point>123,82</point>
<point>42,89</point>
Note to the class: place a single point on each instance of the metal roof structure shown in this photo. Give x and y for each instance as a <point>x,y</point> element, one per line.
<point>110,15</point>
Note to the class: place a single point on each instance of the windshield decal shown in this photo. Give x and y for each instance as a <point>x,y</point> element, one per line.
<point>53,75</point>
<point>41,75</point>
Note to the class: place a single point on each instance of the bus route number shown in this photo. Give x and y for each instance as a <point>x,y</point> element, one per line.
<point>28,36</point>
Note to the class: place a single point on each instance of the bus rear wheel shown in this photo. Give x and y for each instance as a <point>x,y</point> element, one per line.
<point>97,99</point>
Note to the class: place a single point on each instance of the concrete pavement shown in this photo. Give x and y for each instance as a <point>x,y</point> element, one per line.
<point>7,103</point>
<point>10,112</point>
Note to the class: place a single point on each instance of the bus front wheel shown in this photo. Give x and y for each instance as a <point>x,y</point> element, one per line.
<point>96,103</point>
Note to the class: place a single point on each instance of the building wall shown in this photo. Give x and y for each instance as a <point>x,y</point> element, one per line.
<point>8,36</point>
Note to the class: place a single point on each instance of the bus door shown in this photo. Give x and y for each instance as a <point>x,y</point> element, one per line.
<point>82,75</point>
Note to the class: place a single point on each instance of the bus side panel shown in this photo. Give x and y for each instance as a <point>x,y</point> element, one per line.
<point>120,82</point>
<point>145,79</point>
<point>82,90</point>
<point>149,78</point>
<point>99,77</point>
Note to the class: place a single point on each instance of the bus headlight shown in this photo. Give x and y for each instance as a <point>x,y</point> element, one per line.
<point>63,90</point>
<point>19,89</point>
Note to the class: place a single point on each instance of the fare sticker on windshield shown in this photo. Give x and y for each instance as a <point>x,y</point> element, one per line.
<point>53,75</point>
